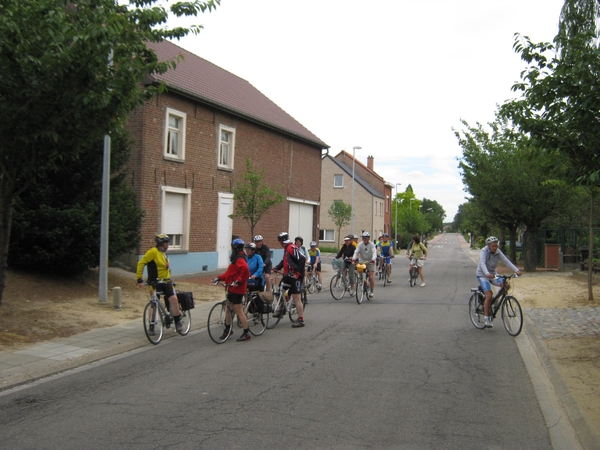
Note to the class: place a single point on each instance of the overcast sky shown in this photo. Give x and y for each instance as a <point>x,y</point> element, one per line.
<point>391,76</point>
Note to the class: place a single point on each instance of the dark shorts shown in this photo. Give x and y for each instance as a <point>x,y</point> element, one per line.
<point>167,289</point>
<point>235,299</point>
<point>268,269</point>
<point>295,284</point>
<point>318,267</point>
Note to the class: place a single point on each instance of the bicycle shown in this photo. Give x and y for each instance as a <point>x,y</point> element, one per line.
<point>257,323</point>
<point>414,274</point>
<point>363,285</point>
<point>282,304</point>
<point>512,315</point>
<point>311,281</point>
<point>387,268</point>
<point>341,282</point>
<point>157,317</point>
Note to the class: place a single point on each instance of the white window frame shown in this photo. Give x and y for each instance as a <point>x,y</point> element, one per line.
<point>325,233</point>
<point>181,137</point>
<point>341,185</point>
<point>181,242</point>
<point>228,165</point>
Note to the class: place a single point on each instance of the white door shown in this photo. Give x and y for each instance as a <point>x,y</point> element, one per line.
<point>224,228</point>
<point>301,221</point>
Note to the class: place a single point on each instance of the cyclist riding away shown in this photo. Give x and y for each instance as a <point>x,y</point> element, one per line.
<point>417,253</point>
<point>367,252</point>
<point>293,272</point>
<point>347,252</point>
<point>315,261</point>
<point>486,272</point>
<point>386,252</point>
<point>236,277</point>
<point>265,253</point>
<point>159,269</point>
<point>255,266</point>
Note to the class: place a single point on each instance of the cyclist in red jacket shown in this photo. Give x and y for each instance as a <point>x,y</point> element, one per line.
<point>236,276</point>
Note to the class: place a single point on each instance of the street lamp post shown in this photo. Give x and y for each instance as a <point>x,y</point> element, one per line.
<point>353,170</point>
<point>396,201</point>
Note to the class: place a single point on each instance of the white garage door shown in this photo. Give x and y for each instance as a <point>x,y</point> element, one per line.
<point>301,221</point>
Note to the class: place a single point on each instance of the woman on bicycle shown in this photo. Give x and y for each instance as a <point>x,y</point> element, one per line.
<point>417,253</point>
<point>157,264</point>
<point>347,252</point>
<point>236,277</point>
<point>486,273</point>
<point>256,267</point>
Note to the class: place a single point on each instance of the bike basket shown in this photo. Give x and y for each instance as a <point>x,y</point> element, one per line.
<point>186,300</point>
<point>361,267</point>
<point>337,264</point>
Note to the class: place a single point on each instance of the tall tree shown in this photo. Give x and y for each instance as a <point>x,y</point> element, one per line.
<point>71,72</point>
<point>341,214</point>
<point>559,105</point>
<point>253,197</point>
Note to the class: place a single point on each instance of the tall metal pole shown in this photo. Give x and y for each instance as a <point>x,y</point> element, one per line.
<point>353,170</point>
<point>103,263</point>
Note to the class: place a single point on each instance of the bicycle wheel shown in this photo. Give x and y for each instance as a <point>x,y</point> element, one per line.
<point>476,310</point>
<point>272,318</point>
<point>216,322</point>
<point>414,276</point>
<point>311,286</point>
<point>512,316</point>
<point>186,320</point>
<point>385,277</point>
<point>255,318</point>
<point>293,312</point>
<point>153,323</point>
<point>360,290</point>
<point>337,287</point>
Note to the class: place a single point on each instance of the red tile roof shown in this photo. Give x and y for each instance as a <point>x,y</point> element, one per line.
<point>209,83</point>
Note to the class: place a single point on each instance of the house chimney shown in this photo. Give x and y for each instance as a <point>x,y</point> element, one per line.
<point>370,162</point>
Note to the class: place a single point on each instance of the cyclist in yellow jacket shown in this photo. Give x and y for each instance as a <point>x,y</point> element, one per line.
<point>157,263</point>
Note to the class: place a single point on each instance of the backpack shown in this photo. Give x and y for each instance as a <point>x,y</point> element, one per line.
<point>297,260</point>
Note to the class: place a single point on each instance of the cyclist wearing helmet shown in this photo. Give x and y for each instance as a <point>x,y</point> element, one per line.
<point>386,253</point>
<point>347,252</point>
<point>265,253</point>
<point>486,272</point>
<point>237,275</point>
<point>255,266</point>
<point>292,274</point>
<point>158,267</point>
<point>417,253</point>
<point>315,261</point>
<point>367,252</point>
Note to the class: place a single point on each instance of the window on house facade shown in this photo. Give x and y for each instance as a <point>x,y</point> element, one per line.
<point>176,216</point>
<point>327,235</point>
<point>338,181</point>
<point>226,147</point>
<point>175,126</point>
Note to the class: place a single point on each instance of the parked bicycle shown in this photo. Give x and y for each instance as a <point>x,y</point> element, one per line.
<point>283,304</point>
<point>158,317</point>
<point>342,281</point>
<point>257,319</point>
<point>512,315</point>
<point>414,274</point>
<point>363,286</point>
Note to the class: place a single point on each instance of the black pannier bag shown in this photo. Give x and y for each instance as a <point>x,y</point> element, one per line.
<point>266,301</point>
<point>186,300</point>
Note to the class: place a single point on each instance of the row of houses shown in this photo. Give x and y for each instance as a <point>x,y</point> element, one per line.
<point>191,144</point>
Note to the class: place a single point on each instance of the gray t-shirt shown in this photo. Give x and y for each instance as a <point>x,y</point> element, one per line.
<point>365,252</point>
<point>488,262</point>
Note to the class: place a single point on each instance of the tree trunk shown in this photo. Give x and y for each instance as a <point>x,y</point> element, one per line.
<point>530,250</point>
<point>6,203</point>
<point>512,235</point>
<point>591,245</point>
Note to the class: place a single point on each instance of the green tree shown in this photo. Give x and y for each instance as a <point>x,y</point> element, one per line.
<point>71,73</point>
<point>341,214</point>
<point>56,222</point>
<point>253,198</point>
<point>559,104</point>
<point>434,215</point>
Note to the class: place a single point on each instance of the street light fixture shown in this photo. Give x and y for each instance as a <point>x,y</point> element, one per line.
<point>353,170</point>
<point>396,201</point>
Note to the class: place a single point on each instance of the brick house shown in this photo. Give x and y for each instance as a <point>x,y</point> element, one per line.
<point>371,203</point>
<point>190,146</point>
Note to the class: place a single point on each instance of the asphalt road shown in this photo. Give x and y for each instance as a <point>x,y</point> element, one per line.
<point>406,370</point>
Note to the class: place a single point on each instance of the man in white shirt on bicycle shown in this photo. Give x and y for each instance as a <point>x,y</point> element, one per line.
<point>489,257</point>
<point>367,252</point>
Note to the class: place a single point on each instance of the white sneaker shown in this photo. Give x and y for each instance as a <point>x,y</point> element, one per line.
<point>488,322</point>
<point>422,284</point>
<point>370,295</point>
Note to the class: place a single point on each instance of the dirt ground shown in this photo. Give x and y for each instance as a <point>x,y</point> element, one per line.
<point>37,308</point>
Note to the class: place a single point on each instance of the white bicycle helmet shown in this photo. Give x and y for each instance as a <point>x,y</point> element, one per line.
<point>365,234</point>
<point>258,237</point>
<point>490,240</point>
